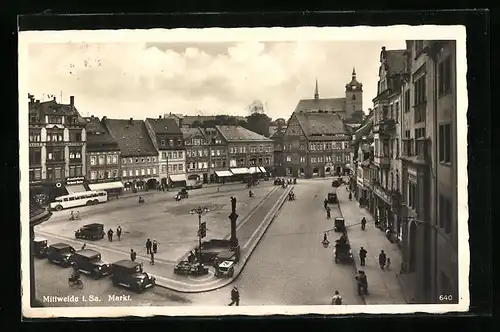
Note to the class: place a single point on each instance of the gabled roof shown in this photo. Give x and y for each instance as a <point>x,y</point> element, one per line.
<point>395,61</point>
<point>52,107</point>
<point>240,134</point>
<point>192,132</point>
<point>164,126</point>
<point>321,124</point>
<point>323,104</point>
<point>132,137</point>
<point>98,137</point>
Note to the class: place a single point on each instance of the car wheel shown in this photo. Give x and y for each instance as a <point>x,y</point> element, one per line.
<point>96,201</point>
<point>89,203</point>
<point>94,274</point>
<point>59,207</point>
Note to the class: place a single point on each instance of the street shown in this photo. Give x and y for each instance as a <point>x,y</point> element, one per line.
<point>288,267</point>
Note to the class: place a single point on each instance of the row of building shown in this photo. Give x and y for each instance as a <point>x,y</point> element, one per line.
<point>70,153</point>
<point>405,167</point>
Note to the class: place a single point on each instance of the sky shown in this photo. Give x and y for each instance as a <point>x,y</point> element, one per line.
<point>139,80</point>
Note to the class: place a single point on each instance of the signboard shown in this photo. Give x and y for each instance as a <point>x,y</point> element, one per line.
<point>117,179</point>
<point>382,194</point>
<point>75,180</point>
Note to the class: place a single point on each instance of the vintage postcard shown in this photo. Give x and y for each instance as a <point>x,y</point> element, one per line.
<point>243,171</point>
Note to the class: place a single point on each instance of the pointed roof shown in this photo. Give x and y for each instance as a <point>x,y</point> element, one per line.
<point>321,125</point>
<point>354,81</point>
<point>316,91</point>
<point>192,132</point>
<point>240,134</point>
<point>132,137</point>
<point>98,138</point>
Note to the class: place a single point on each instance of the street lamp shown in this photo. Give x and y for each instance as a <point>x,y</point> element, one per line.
<point>202,229</point>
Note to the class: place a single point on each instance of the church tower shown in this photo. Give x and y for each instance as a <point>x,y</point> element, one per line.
<point>354,98</point>
<point>316,91</point>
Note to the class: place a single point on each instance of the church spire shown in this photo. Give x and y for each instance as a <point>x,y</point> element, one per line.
<point>316,91</point>
<point>353,73</point>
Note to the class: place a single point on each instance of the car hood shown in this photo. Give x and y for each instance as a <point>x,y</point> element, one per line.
<point>67,254</point>
<point>100,263</point>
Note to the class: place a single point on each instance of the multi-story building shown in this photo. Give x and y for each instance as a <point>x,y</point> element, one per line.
<point>316,144</point>
<point>167,139</point>
<point>278,138</point>
<point>429,175</point>
<point>386,167</point>
<point>197,154</point>
<point>139,157</point>
<point>219,162</point>
<point>103,158</point>
<point>57,149</point>
<point>248,152</point>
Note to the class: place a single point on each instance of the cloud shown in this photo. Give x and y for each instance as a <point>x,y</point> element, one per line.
<point>137,79</point>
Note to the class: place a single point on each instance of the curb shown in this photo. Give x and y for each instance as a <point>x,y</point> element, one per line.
<point>355,264</point>
<point>279,204</point>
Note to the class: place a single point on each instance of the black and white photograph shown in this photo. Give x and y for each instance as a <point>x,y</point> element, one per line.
<point>246,171</point>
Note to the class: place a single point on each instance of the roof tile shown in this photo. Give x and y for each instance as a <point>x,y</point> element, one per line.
<point>238,134</point>
<point>323,104</point>
<point>321,124</point>
<point>132,137</point>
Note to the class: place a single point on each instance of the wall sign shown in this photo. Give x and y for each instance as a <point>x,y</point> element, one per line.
<point>75,180</point>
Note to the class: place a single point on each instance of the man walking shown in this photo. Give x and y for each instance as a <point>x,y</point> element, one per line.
<point>133,255</point>
<point>382,259</point>
<point>148,246</point>
<point>362,256</point>
<point>119,232</point>
<point>363,223</point>
<point>110,235</point>
<point>155,246</point>
<point>235,297</point>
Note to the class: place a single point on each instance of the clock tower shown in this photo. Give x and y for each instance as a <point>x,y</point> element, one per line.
<point>353,97</point>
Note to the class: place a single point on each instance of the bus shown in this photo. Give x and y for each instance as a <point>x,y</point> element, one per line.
<point>79,199</point>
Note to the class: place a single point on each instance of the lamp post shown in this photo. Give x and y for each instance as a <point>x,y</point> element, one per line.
<point>200,211</point>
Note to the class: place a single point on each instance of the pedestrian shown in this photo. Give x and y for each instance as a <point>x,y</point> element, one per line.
<point>388,264</point>
<point>119,232</point>
<point>110,235</point>
<point>77,215</point>
<point>325,238</point>
<point>337,299</point>
<point>148,246</point>
<point>235,297</point>
<point>325,203</point>
<point>133,255</point>
<point>350,196</point>
<point>152,261</point>
<point>84,245</point>
<point>382,259</point>
<point>362,256</point>
<point>155,246</point>
<point>363,223</point>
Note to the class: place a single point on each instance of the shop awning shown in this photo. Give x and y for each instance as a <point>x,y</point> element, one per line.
<point>237,171</point>
<point>262,169</point>
<point>106,185</point>
<point>253,170</point>
<point>223,173</point>
<point>178,177</point>
<point>76,188</point>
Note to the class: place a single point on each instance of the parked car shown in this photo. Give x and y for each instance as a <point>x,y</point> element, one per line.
<point>332,198</point>
<point>93,231</point>
<point>89,262</point>
<point>227,255</point>
<point>60,254</point>
<point>40,247</point>
<point>339,225</point>
<point>225,269</point>
<point>131,275</point>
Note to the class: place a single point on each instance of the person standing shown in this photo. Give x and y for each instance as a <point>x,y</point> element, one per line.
<point>119,232</point>
<point>388,264</point>
<point>363,223</point>
<point>148,246</point>
<point>155,246</point>
<point>337,299</point>
<point>133,255</point>
<point>235,297</point>
<point>362,256</point>
<point>110,235</point>
<point>382,259</point>
<point>152,261</point>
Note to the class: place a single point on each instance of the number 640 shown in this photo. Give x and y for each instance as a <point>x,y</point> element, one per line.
<point>445,297</point>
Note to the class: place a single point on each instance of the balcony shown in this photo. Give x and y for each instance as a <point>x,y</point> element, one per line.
<point>55,161</point>
<point>382,161</point>
<point>387,127</point>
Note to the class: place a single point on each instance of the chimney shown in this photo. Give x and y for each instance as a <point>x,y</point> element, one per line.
<point>159,116</point>
<point>92,116</point>
<point>54,98</point>
<point>104,118</point>
<point>131,120</point>
<point>72,100</point>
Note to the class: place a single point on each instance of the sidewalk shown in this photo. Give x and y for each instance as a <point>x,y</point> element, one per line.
<point>383,286</point>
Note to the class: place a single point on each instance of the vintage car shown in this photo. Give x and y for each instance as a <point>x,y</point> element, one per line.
<point>90,232</point>
<point>343,253</point>
<point>89,262</point>
<point>181,194</point>
<point>190,268</point>
<point>61,254</point>
<point>339,224</point>
<point>332,198</point>
<point>227,255</point>
<point>225,269</point>
<point>40,247</point>
<point>131,275</point>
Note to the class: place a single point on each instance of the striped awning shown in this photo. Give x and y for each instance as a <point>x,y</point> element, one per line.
<point>253,170</point>
<point>178,177</point>
<point>262,169</point>
<point>237,171</point>
<point>223,173</point>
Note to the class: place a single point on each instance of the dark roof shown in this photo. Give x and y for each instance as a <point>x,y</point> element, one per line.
<point>132,137</point>
<point>38,214</point>
<point>52,107</point>
<point>321,124</point>
<point>395,61</point>
<point>126,264</point>
<point>190,119</point>
<point>60,245</point>
<point>87,252</point>
<point>323,104</point>
<point>240,134</point>
<point>98,137</point>
<point>164,126</point>
<point>192,132</point>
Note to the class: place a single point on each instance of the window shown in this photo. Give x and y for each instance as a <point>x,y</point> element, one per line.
<point>162,143</point>
<point>130,173</point>
<point>109,159</point>
<point>136,172</point>
<point>163,155</point>
<point>169,168</point>
<point>445,143</point>
<point>124,173</point>
<point>169,155</point>
<point>445,213</point>
<point>93,175</point>
<point>154,171</point>
<point>34,137</point>
<point>101,160</point>
<point>149,171</point>
<point>171,142</point>
<point>200,153</point>
<point>174,167</point>
<point>115,159</point>
<point>419,134</point>
<point>444,77</point>
<point>142,160</point>
<point>419,99</point>
<point>212,153</point>
<point>101,174</point>
<point>419,46</point>
<point>412,195</point>
<point>392,111</point>
<point>406,100</point>
<point>218,152</point>
<point>130,160</point>
<point>181,167</point>
<point>148,159</point>
<point>35,157</point>
<point>288,158</point>
<point>205,153</point>
<point>174,155</point>
<point>154,159</point>
<point>397,147</point>
<point>396,111</point>
<point>143,171</point>
<point>75,154</point>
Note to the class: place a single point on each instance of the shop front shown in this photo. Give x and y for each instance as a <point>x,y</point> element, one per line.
<point>74,184</point>
<point>113,186</point>
<point>384,206</point>
<point>222,176</point>
<point>177,180</point>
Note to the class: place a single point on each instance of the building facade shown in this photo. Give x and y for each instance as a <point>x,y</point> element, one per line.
<point>198,155</point>
<point>247,150</point>
<point>57,149</point>
<point>139,157</point>
<point>429,177</point>
<point>316,145</point>
<point>219,163</point>
<point>103,159</point>
<point>167,139</point>
<point>278,146</point>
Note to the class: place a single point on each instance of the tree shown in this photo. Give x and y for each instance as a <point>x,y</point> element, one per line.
<point>280,124</point>
<point>258,123</point>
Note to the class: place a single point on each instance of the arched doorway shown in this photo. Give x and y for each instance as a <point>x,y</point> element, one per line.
<point>301,172</point>
<point>328,170</point>
<point>413,246</point>
<point>164,182</point>
<point>151,184</point>
<point>315,171</point>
